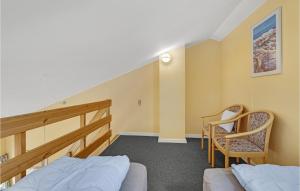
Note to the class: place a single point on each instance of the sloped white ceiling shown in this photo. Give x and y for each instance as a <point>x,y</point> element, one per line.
<point>52,49</point>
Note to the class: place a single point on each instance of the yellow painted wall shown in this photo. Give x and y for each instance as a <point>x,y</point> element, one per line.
<point>299,74</point>
<point>127,115</point>
<point>203,83</point>
<point>217,75</point>
<point>202,97</point>
<point>172,96</point>
<point>125,91</point>
<point>278,93</point>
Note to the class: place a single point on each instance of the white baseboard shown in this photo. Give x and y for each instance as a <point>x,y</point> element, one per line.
<point>166,140</point>
<point>147,134</point>
<point>193,136</point>
<point>196,136</point>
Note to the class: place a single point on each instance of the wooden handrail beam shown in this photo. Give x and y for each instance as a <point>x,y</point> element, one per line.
<point>93,146</point>
<point>98,115</point>
<point>22,123</point>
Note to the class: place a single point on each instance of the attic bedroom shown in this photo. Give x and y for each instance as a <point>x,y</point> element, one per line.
<point>150,95</point>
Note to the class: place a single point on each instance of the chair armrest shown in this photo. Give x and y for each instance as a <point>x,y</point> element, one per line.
<point>237,135</point>
<point>207,116</point>
<point>214,123</point>
<point>212,115</point>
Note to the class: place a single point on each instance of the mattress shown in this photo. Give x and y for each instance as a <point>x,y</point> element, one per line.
<point>264,177</point>
<point>105,173</point>
<point>136,178</point>
<point>220,179</point>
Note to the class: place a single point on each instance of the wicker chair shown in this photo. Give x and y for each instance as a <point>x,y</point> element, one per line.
<point>254,143</point>
<point>206,128</point>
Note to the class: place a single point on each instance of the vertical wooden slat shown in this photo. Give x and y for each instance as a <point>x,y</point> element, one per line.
<point>107,114</point>
<point>20,148</point>
<point>70,154</point>
<point>82,125</point>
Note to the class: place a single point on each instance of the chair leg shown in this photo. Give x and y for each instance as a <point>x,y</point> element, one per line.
<point>209,149</point>
<point>226,161</point>
<point>212,154</point>
<point>202,140</point>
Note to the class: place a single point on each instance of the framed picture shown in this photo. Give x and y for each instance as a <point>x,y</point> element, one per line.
<point>266,45</point>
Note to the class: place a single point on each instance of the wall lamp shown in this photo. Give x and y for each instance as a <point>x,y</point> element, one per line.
<point>165,58</point>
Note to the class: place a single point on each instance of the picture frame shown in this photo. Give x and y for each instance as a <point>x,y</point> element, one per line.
<point>266,45</point>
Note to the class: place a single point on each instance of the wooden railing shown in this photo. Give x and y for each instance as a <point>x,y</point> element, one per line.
<point>75,147</point>
<point>18,125</point>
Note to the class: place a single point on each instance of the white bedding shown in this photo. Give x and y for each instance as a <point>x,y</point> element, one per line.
<point>267,177</point>
<point>92,174</point>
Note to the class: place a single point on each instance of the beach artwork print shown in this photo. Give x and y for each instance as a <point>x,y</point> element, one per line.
<point>266,45</point>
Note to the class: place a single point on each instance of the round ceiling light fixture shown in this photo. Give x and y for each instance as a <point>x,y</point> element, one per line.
<point>165,58</point>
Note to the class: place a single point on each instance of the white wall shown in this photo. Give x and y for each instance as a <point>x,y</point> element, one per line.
<point>55,49</point>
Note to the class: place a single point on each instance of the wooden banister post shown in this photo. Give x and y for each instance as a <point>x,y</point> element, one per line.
<point>70,154</point>
<point>107,114</point>
<point>82,125</point>
<point>20,148</point>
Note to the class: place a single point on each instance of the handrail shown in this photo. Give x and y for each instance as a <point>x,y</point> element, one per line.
<point>21,123</point>
<point>75,147</point>
<point>86,152</point>
<point>18,125</point>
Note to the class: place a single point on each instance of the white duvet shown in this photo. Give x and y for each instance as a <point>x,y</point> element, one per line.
<point>65,174</point>
<point>267,177</point>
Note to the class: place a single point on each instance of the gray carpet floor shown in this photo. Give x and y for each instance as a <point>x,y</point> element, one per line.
<point>170,166</point>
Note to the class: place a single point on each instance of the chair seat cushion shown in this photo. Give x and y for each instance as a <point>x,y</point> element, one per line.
<point>218,130</point>
<point>238,144</point>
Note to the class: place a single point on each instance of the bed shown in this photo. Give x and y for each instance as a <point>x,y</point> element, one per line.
<point>220,179</point>
<point>105,173</point>
<point>136,178</point>
<point>252,178</point>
